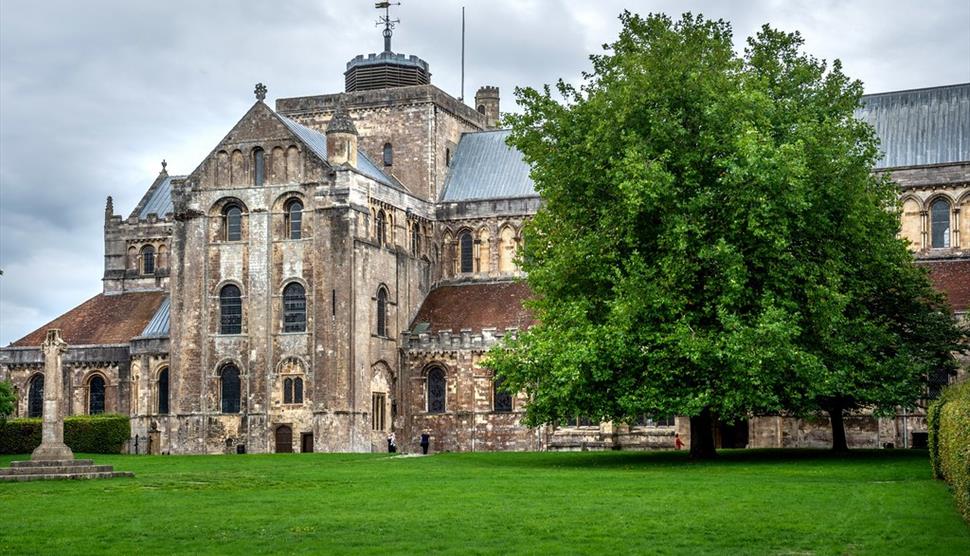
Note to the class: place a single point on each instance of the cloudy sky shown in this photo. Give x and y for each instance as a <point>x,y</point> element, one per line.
<point>94,94</point>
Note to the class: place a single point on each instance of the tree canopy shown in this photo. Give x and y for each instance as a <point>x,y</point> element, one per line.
<point>712,241</point>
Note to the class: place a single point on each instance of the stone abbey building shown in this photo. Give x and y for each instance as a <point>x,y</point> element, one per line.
<point>335,269</point>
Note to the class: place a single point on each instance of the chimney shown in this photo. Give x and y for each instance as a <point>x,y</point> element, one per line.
<point>486,102</point>
<point>341,139</point>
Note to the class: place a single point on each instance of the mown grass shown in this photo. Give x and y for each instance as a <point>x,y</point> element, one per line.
<point>747,502</point>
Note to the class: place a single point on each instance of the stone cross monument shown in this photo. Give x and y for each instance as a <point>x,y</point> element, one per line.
<point>52,445</point>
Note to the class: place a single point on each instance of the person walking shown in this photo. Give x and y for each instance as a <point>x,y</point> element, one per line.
<point>678,442</point>
<point>425,442</point>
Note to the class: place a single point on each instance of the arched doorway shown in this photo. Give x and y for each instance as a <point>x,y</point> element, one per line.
<point>284,439</point>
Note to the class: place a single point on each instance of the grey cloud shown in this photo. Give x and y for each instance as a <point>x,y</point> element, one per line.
<point>94,94</point>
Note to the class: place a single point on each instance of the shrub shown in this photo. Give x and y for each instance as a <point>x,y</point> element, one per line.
<point>949,423</point>
<point>99,434</point>
<point>19,436</point>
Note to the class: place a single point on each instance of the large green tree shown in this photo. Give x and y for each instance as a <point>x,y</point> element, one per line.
<point>691,253</point>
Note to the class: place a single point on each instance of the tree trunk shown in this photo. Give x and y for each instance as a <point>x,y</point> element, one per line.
<point>838,429</point>
<point>702,436</point>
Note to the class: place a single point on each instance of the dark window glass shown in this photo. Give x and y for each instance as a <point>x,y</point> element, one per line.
<point>465,244</point>
<point>381,227</point>
<point>481,108</point>
<point>230,389</point>
<point>436,391</point>
<point>502,397</point>
<point>388,154</point>
<point>259,167</point>
<point>937,380</point>
<point>447,157</point>
<point>297,390</point>
<point>233,223</point>
<point>148,260</point>
<point>35,397</point>
<point>230,310</point>
<point>163,392</point>
<point>288,390</point>
<point>415,240</point>
<point>382,312</point>
<point>96,396</point>
<point>940,223</point>
<point>294,308</point>
<point>294,219</point>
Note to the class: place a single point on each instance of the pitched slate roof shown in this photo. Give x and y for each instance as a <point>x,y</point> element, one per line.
<point>474,306</point>
<point>103,319</point>
<point>159,200</point>
<point>318,144</point>
<point>920,126</point>
<point>158,326</point>
<point>953,279</point>
<point>485,167</point>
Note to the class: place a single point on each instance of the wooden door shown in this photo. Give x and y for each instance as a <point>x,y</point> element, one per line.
<point>306,442</point>
<point>284,439</point>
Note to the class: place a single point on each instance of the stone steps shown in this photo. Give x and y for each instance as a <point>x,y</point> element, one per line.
<point>59,469</point>
<point>51,476</point>
<point>53,463</point>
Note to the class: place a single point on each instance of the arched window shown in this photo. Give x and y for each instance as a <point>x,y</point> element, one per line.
<point>294,308</point>
<point>132,258</point>
<point>382,312</point>
<point>416,239</point>
<point>388,154</point>
<point>230,310</point>
<point>95,395</point>
<point>481,108</point>
<point>229,388</point>
<point>940,223</point>
<point>447,157</point>
<point>501,398</point>
<point>163,392</point>
<point>436,391</point>
<point>148,260</point>
<point>293,390</point>
<point>259,167</point>
<point>294,219</point>
<point>232,222</point>
<point>381,227</point>
<point>465,252</point>
<point>35,397</point>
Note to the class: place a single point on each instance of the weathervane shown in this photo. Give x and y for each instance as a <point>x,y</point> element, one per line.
<point>387,22</point>
<point>260,91</point>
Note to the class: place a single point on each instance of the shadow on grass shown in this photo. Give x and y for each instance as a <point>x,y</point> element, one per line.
<point>747,457</point>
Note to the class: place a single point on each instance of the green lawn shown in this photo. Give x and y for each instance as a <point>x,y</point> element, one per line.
<point>748,502</point>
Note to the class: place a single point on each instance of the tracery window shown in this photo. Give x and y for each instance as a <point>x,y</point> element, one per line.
<point>940,223</point>
<point>35,397</point>
<point>501,398</point>
<point>95,395</point>
<point>148,260</point>
<point>381,312</point>
<point>163,392</point>
<point>292,390</point>
<point>232,222</point>
<point>436,390</point>
<point>388,154</point>
<point>230,310</point>
<point>466,252</point>
<point>294,308</point>
<point>229,388</point>
<point>294,219</point>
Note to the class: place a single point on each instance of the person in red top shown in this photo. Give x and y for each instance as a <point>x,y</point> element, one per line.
<point>677,441</point>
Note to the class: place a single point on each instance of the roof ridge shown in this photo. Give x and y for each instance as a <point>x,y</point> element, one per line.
<point>917,89</point>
